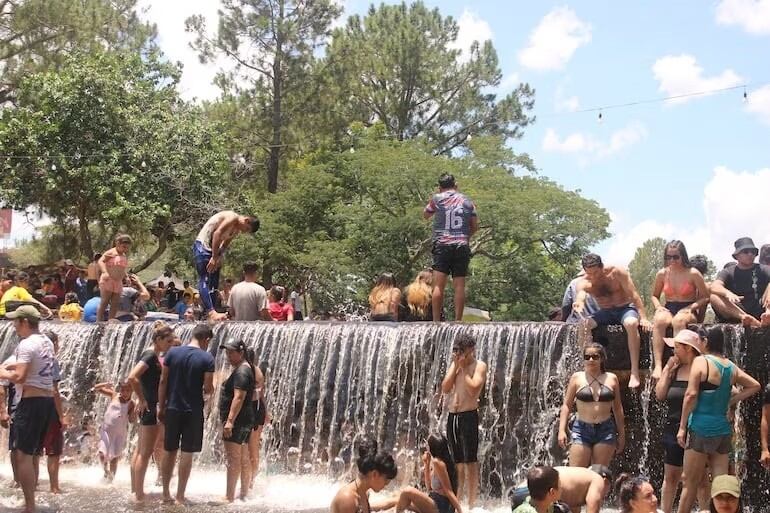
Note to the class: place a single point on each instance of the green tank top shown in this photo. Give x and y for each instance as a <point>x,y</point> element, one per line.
<point>709,418</point>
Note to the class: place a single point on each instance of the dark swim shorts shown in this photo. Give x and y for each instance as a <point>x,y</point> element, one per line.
<point>463,434</point>
<point>451,259</point>
<point>615,315</point>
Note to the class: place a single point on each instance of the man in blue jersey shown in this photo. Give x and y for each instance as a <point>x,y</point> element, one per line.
<point>454,222</point>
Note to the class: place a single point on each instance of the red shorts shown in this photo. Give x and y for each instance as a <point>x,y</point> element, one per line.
<point>53,442</point>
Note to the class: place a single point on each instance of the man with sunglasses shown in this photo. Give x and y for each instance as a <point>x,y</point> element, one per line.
<point>740,292</point>
<point>619,303</point>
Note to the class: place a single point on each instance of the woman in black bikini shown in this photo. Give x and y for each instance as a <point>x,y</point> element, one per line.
<point>375,471</point>
<point>596,436</point>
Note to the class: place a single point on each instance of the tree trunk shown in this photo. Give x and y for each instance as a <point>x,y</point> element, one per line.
<point>162,243</point>
<point>274,159</point>
<point>86,246</point>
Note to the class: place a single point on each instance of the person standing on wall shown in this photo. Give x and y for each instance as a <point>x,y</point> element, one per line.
<point>454,223</point>
<point>188,373</point>
<point>209,249</point>
<point>463,383</point>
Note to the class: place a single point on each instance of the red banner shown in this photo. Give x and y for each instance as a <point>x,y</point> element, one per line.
<point>6,218</point>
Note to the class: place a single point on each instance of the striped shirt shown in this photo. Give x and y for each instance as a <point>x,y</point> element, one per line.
<point>452,213</point>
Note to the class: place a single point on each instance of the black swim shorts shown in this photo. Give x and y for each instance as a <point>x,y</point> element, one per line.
<point>149,417</point>
<point>183,429</point>
<point>451,259</point>
<point>260,412</point>
<point>240,435</point>
<point>463,434</point>
<point>31,421</point>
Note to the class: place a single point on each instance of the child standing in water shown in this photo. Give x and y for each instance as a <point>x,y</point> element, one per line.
<point>114,430</point>
<point>112,265</point>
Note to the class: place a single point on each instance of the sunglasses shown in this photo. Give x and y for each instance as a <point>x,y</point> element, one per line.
<point>592,356</point>
<point>672,257</point>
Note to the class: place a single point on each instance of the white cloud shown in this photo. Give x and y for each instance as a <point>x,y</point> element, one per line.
<point>681,74</point>
<point>759,103</point>
<point>471,27</point>
<point>509,82</point>
<point>734,205</point>
<point>555,39</point>
<point>587,146</point>
<point>197,78</point>
<point>753,16</point>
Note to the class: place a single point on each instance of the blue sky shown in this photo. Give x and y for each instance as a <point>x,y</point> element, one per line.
<point>697,169</point>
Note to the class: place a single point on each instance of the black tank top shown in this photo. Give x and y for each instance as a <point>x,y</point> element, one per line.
<point>675,399</point>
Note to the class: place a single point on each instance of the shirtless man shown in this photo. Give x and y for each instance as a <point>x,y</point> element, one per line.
<point>462,384</point>
<point>578,487</point>
<point>619,303</point>
<point>209,248</point>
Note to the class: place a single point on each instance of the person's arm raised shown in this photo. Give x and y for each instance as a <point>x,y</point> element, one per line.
<point>663,384</point>
<point>448,383</point>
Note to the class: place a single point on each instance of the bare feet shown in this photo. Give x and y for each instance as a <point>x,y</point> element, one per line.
<point>750,321</point>
<point>56,490</point>
<point>167,499</point>
<point>765,319</point>
<point>657,371</point>
<point>633,381</point>
<point>181,501</point>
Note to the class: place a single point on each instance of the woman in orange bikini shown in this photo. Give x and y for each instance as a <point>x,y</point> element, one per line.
<point>685,295</point>
<point>113,265</point>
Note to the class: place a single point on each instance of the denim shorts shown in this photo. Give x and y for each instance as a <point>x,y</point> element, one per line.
<point>586,433</point>
<point>615,315</point>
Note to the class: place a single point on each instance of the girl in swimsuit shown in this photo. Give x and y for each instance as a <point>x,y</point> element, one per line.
<point>686,295</point>
<point>440,476</point>
<point>113,265</point>
<point>114,431</point>
<point>384,299</point>
<point>375,471</point>
<point>599,430</point>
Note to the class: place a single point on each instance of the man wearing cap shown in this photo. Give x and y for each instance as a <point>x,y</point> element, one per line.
<point>34,370</point>
<point>739,294</point>
<point>19,293</point>
<point>209,249</point>
<point>188,374</point>
<point>579,487</point>
<point>454,223</point>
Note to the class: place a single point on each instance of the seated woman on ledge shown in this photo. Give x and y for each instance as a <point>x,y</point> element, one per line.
<point>596,437</point>
<point>686,294</point>
<point>384,299</point>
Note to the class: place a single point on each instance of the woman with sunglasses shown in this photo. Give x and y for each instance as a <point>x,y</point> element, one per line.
<point>671,388</point>
<point>595,393</point>
<point>686,294</point>
<point>704,429</point>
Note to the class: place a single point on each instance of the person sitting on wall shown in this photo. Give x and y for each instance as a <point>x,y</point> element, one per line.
<point>568,313</point>
<point>578,487</point>
<point>619,303</point>
<point>740,292</point>
<point>686,293</point>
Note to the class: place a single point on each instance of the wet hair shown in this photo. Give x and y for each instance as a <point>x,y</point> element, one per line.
<point>446,181</point>
<point>254,223</point>
<point>161,330</point>
<point>202,332</point>
<point>464,341</point>
<point>123,238</point>
<point>439,448</point>
<point>591,260</point>
<point>418,294</point>
<point>700,262</point>
<point>385,282</point>
<point>250,268</point>
<point>277,292</point>
<point>369,460</point>
<point>679,246</point>
<point>540,481</point>
<point>626,488</point>
<point>70,297</point>
<point>602,352</point>
<point>715,340</point>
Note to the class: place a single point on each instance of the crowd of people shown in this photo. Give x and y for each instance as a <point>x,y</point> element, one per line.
<point>165,389</point>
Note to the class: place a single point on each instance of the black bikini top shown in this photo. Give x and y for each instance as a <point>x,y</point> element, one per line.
<point>586,393</point>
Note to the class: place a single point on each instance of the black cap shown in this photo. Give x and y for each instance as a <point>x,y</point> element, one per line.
<point>234,344</point>
<point>744,243</point>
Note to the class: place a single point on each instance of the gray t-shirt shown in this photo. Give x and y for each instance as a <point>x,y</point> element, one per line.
<point>37,352</point>
<point>247,299</point>
<point>127,296</point>
<point>452,213</point>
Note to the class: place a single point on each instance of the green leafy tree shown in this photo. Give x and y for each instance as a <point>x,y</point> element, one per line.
<point>38,35</point>
<point>106,145</point>
<point>272,44</point>
<point>647,261</point>
<point>398,66</point>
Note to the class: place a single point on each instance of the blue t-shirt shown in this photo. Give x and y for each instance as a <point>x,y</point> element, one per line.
<point>186,367</point>
<point>452,213</point>
<point>90,308</point>
<point>181,308</point>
